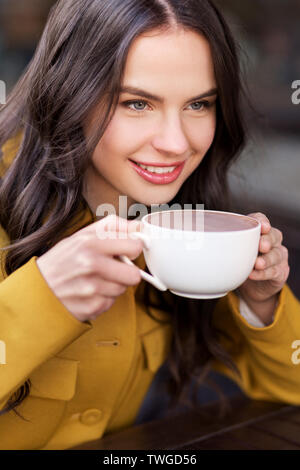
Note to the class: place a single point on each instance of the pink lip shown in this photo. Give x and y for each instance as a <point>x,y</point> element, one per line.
<point>158,178</point>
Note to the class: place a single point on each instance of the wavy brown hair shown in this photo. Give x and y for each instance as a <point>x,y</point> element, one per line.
<point>79,63</point>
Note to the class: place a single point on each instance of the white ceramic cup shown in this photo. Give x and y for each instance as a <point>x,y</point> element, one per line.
<point>198,254</point>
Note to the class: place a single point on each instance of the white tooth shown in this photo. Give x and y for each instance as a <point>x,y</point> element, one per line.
<point>155,169</point>
<point>166,170</point>
<point>163,170</point>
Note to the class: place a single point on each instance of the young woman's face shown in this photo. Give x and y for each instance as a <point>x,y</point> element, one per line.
<point>173,127</point>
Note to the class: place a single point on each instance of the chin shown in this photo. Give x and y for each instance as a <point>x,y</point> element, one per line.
<point>155,199</point>
<point>155,202</point>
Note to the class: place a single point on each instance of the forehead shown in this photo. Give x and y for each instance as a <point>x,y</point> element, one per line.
<point>170,60</point>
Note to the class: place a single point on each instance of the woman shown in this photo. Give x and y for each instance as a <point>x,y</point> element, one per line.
<point>84,337</point>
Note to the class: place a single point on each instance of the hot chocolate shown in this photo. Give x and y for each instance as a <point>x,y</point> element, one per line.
<point>204,221</point>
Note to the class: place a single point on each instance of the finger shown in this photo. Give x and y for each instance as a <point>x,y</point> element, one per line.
<point>109,289</point>
<point>108,303</point>
<point>278,272</point>
<point>92,286</point>
<point>90,308</point>
<point>263,219</point>
<point>275,256</point>
<point>88,246</point>
<point>116,271</point>
<point>128,247</point>
<point>273,239</point>
<point>113,223</point>
<point>119,224</point>
<point>278,237</point>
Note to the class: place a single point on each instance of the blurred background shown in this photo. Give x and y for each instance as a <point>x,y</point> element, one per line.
<point>267,177</point>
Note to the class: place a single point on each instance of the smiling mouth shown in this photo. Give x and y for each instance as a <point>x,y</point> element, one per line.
<point>158,174</point>
<point>158,168</point>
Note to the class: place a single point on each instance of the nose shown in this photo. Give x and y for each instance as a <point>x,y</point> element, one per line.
<point>171,137</point>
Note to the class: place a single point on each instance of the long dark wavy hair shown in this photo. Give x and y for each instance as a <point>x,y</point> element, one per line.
<point>79,63</point>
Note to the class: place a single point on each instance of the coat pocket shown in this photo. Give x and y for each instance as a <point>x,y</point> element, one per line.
<point>55,379</point>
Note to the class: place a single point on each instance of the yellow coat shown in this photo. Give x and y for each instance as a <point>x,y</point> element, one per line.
<point>90,378</point>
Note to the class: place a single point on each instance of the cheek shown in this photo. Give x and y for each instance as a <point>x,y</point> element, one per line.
<point>205,134</point>
<point>120,138</point>
<point>202,137</point>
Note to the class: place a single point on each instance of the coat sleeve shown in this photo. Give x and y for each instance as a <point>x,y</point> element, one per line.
<point>267,358</point>
<point>34,325</point>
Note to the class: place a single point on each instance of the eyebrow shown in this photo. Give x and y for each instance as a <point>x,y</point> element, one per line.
<point>150,96</point>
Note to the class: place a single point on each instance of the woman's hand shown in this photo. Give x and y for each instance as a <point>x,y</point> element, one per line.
<point>261,290</point>
<point>82,269</point>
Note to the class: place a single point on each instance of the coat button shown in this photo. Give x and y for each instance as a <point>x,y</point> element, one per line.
<point>90,417</point>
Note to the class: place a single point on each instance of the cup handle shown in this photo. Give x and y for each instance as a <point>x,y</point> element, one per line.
<point>147,277</point>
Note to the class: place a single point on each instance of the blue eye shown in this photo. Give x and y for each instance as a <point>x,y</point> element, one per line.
<point>203,105</point>
<point>128,103</point>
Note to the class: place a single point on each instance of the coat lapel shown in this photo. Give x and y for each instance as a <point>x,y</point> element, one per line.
<point>107,348</point>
